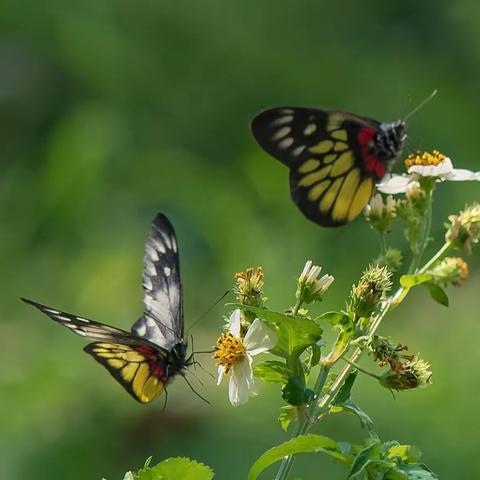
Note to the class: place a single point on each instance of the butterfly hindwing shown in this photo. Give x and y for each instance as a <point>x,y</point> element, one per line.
<point>141,370</point>
<point>162,323</point>
<point>332,168</point>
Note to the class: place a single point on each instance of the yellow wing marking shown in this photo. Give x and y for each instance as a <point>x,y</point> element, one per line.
<point>345,196</point>
<point>329,196</point>
<point>340,135</point>
<point>330,157</point>
<point>116,363</point>
<point>315,192</point>
<point>344,163</point>
<point>314,177</point>
<point>340,146</point>
<point>323,147</point>
<point>362,196</point>
<point>309,165</point>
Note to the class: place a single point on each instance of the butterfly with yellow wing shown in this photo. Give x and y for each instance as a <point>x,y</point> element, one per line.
<point>144,360</point>
<point>335,158</point>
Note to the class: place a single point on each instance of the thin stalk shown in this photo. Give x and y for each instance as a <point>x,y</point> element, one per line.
<point>446,246</point>
<point>360,369</point>
<point>383,245</point>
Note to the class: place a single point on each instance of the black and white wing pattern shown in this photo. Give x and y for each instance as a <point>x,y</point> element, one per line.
<point>162,323</point>
<point>85,327</point>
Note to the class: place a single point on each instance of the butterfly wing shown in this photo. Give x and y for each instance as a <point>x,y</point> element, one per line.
<point>139,366</point>
<point>141,370</point>
<point>332,170</point>
<point>162,323</point>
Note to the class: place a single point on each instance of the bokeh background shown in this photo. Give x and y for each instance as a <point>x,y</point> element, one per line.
<point>113,110</point>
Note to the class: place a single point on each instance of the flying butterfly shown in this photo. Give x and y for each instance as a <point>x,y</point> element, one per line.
<point>335,158</point>
<point>144,360</point>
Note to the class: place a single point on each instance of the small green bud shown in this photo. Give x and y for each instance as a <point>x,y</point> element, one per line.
<point>370,290</point>
<point>464,228</point>
<point>380,214</point>
<point>392,259</point>
<point>248,288</point>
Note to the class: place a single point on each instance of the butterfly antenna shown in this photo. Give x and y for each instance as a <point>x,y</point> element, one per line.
<point>208,311</point>
<point>420,105</point>
<point>194,391</point>
<point>166,398</point>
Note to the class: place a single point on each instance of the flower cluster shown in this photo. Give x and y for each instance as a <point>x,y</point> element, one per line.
<point>249,286</point>
<point>310,288</point>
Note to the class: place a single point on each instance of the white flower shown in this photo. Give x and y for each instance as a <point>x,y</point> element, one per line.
<point>310,287</point>
<point>426,165</point>
<point>235,354</point>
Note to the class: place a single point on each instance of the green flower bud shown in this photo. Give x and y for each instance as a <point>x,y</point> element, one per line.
<point>413,374</point>
<point>450,270</point>
<point>380,214</point>
<point>464,228</point>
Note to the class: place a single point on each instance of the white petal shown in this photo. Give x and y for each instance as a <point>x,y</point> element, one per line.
<point>259,338</point>
<point>221,373</point>
<point>461,175</point>
<point>393,184</point>
<point>439,170</point>
<point>240,383</point>
<point>235,323</point>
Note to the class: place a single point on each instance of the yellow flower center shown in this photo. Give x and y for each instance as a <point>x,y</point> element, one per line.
<point>229,351</point>
<point>424,159</point>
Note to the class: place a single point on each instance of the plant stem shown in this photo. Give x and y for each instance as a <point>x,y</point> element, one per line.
<point>446,246</point>
<point>383,245</point>
<point>287,462</point>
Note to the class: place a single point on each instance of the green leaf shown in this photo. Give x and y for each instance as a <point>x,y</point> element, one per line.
<point>294,333</point>
<point>351,407</point>
<point>296,393</point>
<point>406,453</point>
<point>365,459</point>
<point>437,293</point>
<point>302,444</point>
<point>345,391</point>
<point>347,331</point>
<point>314,355</point>
<point>272,371</point>
<point>417,472</point>
<point>175,468</point>
<point>333,318</point>
<point>288,414</point>
<point>409,281</point>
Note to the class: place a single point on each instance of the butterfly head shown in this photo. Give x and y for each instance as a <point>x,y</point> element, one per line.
<point>389,141</point>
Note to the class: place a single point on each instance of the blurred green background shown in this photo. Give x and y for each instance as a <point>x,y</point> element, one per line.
<point>113,110</point>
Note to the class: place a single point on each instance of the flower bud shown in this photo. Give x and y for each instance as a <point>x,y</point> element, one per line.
<point>464,229</point>
<point>370,290</point>
<point>311,288</point>
<point>414,374</point>
<point>386,353</point>
<point>450,270</point>
<point>248,288</point>
<point>392,259</point>
<point>380,214</point>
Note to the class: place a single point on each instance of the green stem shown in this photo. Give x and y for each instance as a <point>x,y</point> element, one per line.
<point>446,246</point>
<point>287,462</point>
<point>383,245</point>
<point>360,369</point>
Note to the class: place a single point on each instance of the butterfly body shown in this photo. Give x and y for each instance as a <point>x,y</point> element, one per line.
<point>335,158</point>
<point>144,360</point>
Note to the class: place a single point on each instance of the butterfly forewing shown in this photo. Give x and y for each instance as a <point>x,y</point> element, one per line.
<point>332,170</point>
<point>162,323</point>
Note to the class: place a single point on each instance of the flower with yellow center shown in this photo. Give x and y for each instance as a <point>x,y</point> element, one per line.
<point>425,164</point>
<point>234,355</point>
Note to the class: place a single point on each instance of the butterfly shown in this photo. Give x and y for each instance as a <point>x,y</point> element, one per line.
<point>144,360</point>
<point>335,158</point>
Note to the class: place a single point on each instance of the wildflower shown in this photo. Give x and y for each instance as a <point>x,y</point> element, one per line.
<point>249,286</point>
<point>450,271</point>
<point>422,165</point>
<point>311,288</point>
<point>465,228</point>
<point>414,373</point>
<point>380,214</point>
<point>386,353</point>
<point>370,290</point>
<point>235,354</point>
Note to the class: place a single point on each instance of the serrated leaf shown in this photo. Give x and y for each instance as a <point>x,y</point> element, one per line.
<point>302,444</point>
<point>272,371</point>
<point>288,414</point>
<point>174,469</point>
<point>294,333</point>
<point>437,293</point>
<point>409,281</point>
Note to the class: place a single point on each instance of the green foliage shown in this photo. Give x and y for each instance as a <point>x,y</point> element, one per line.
<point>345,325</point>
<point>272,371</point>
<point>409,281</point>
<point>301,444</point>
<point>172,469</point>
<point>296,393</point>
<point>287,415</point>
<point>437,293</point>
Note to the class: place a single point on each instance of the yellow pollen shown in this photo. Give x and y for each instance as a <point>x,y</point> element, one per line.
<point>424,159</point>
<point>229,351</point>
